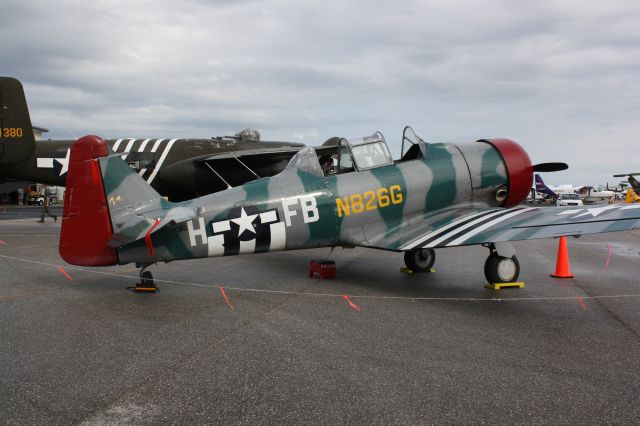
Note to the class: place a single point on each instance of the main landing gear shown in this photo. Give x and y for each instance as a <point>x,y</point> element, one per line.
<point>420,260</point>
<point>502,265</point>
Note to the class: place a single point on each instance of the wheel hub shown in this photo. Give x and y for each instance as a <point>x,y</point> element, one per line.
<point>506,269</point>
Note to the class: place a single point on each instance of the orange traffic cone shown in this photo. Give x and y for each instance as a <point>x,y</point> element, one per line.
<point>562,265</point>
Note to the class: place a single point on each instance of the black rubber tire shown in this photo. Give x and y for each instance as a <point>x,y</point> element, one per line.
<point>147,279</point>
<point>420,260</point>
<point>498,269</point>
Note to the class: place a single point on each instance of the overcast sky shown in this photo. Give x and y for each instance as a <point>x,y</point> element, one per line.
<point>562,78</point>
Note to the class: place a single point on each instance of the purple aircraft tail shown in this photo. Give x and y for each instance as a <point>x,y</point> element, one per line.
<point>543,188</point>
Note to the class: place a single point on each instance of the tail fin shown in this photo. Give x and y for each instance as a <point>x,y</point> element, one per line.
<point>86,223</point>
<point>17,142</point>
<point>634,183</point>
<point>124,189</point>
<point>104,205</point>
<point>542,187</point>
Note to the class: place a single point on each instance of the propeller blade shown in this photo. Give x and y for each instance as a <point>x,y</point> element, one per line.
<point>550,167</point>
<point>627,174</point>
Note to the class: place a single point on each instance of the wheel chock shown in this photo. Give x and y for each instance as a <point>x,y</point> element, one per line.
<point>322,269</point>
<point>146,284</point>
<point>144,288</point>
<point>411,271</point>
<point>499,286</point>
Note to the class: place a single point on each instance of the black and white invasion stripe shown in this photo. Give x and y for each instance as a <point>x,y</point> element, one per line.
<point>125,146</point>
<point>459,231</point>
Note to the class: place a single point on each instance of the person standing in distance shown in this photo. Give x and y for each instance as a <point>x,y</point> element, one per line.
<point>45,205</point>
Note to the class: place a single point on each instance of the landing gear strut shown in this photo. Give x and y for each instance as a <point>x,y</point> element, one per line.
<point>420,260</point>
<point>502,265</point>
<point>146,283</point>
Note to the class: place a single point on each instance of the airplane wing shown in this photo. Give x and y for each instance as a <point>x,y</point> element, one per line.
<point>275,152</point>
<point>493,225</point>
<point>263,154</point>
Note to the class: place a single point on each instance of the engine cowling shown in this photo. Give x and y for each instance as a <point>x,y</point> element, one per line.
<point>519,169</point>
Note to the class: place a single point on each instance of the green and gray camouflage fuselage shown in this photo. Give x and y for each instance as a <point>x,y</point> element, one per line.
<point>437,195</point>
<point>302,208</point>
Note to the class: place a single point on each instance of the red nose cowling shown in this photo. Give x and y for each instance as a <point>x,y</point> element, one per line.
<point>86,224</point>
<point>519,169</point>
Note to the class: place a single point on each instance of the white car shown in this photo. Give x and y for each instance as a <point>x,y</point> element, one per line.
<point>568,200</point>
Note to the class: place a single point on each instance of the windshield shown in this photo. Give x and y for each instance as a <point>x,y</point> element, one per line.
<point>307,161</point>
<point>344,158</point>
<point>415,147</point>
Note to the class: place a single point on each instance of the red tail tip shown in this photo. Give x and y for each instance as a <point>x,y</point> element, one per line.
<point>86,223</point>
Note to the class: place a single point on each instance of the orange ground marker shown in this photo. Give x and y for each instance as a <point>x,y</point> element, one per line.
<point>562,265</point>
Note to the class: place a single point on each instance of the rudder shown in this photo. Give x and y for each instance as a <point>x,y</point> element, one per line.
<point>86,222</point>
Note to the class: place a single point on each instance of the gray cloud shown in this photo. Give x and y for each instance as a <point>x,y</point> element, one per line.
<point>559,77</point>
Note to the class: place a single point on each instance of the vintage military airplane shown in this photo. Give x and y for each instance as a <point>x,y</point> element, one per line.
<point>437,195</point>
<point>179,169</point>
<point>635,185</point>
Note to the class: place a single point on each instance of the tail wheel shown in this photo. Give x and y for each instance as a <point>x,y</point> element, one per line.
<point>498,269</point>
<point>420,260</point>
<point>146,279</point>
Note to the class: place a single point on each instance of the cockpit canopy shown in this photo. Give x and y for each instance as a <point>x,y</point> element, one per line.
<point>306,160</point>
<point>357,154</point>
<point>363,153</point>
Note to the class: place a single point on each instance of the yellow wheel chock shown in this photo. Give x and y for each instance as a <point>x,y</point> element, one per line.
<point>499,286</point>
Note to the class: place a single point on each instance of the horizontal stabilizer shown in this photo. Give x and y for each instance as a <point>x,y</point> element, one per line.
<point>137,226</point>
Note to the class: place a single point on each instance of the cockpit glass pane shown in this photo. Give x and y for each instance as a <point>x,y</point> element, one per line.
<point>307,161</point>
<point>409,139</point>
<point>371,155</point>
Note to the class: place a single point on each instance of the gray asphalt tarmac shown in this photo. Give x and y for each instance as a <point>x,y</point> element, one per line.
<point>422,349</point>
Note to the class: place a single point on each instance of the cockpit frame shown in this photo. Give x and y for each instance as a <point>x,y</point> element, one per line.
<point>418,147</point>
<point>365,153</point>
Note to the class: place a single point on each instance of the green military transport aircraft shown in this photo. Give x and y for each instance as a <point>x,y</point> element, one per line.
<point>179,169</point>
<point>435,196</point>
